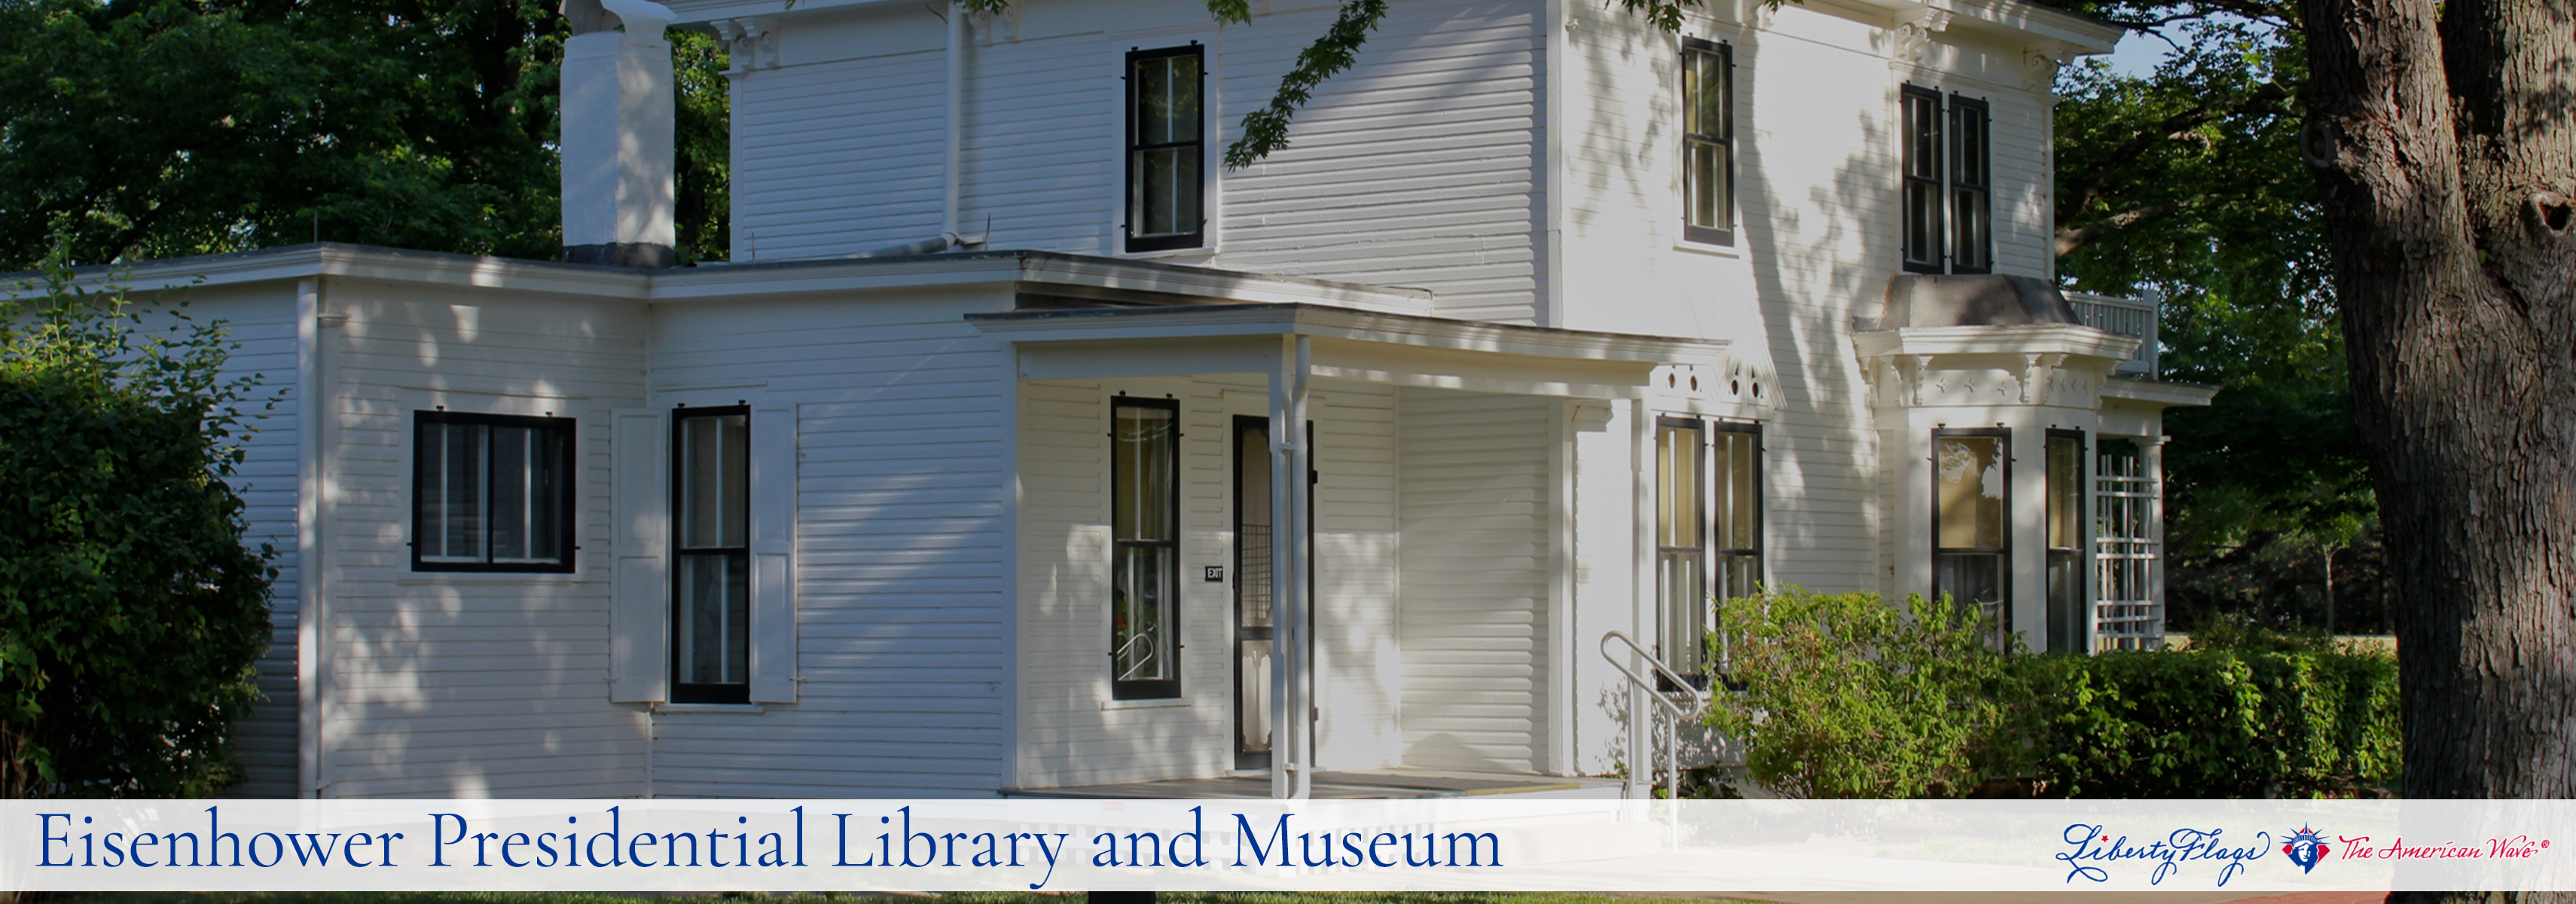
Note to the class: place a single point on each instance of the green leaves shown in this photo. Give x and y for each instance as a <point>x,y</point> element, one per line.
<point>1266,130</point>
<point>1846,696</point>
<point>130,611</point>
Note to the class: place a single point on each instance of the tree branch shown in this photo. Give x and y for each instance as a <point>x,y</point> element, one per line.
<point>2080,193</point>
<point>1266,130</point>
<point>2069,239</point>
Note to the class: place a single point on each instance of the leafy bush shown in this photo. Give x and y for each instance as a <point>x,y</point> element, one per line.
<point>1847,696</point>
<point>2212,723</point>
<point>130,613</point>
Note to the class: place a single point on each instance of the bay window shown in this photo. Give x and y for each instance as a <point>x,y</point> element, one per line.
<point>1971,500</point>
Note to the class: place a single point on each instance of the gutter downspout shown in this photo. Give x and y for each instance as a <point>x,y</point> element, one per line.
<point>948,236</point>
<point>309,696</point>
<point>956,114</point>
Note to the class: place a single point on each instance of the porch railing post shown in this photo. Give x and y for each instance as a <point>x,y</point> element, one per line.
<point>1641,437</point>
<point>1301,489</point>
<point>1291,727</point>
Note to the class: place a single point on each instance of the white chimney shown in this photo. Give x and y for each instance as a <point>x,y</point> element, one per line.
<point>616,145</point>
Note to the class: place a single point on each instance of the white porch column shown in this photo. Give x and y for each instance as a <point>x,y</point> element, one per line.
<point>2154,452</point>
<point>1641,467</point>
<point>1292,727</point>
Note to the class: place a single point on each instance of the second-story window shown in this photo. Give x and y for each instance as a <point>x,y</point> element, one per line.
<point>1922,180</point>
<point>1708,142</point>
<point>1949,206</point>
<point>1165,147</point>
<point>1971,207</point>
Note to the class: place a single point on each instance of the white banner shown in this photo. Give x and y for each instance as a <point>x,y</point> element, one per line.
<point>1453,844</point>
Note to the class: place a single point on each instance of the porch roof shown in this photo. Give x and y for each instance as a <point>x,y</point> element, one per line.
<point>1365,346</point>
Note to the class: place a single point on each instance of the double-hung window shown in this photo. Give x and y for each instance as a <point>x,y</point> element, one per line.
<point>1971,498</point>
<point>1681,547</point>
<point>1166,148</point>
<point>491,493</point>
<point>1708,511</point>
<point>2069,624</point>
<point>1708,142</point>
<point>1948,167</point>
<point>712,524</point>
<point>1145,533</point>
<point>1736,525</point>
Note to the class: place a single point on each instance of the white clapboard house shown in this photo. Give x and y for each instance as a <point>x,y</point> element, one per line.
<point>1025,449</point>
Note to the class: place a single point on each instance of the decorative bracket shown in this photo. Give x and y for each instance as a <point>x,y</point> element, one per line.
<point>1922,375</point>
<point>1913,33</point>
<point>2040,62</point>
<point>1001,25</point>
<point>2035,376</point>
<point>1761,14</point>
<point>749,45</point>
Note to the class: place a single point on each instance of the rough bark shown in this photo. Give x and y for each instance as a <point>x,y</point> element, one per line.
<point>2445,154</point>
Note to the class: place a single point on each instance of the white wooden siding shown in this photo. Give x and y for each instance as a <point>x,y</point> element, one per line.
<point>837,155</point>
<point>467,685</point>
<point>1476,515</point>
<point>262,320</point>
<point>899,559</point>
<point>1419,167</point>
<point>1069,736</point>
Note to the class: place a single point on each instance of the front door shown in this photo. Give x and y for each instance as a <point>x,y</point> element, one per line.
<point>1253,631</point>
<point>1255,634</point>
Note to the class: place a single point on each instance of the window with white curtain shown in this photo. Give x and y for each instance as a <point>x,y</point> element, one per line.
<point>491,492</point>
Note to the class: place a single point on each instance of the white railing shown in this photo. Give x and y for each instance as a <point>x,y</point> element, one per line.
<point>2126,613</point>
<point>2127,317</point>
<point>1640,688</point>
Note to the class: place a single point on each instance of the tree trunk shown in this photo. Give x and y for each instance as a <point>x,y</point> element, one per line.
<point>2446,158</point>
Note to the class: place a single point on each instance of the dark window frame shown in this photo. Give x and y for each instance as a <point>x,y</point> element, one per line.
<point>1132,204</point>
<point>1699,520</point>
<point>1924,173</point>
<point>1959,241</point>
<point>689,691</point>
<point>2081,554</point>
<point>561,431</point>
<point>1159,688</point>
<point>1723,138</point>
<point>2003,552</point>
<point>1761,496</point>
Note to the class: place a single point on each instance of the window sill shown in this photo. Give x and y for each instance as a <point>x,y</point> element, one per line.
<point>1201,254</point>
<point>1157,703</point>
<point>737,708</point>
<point>1728,251</point>
<point>488,578</point>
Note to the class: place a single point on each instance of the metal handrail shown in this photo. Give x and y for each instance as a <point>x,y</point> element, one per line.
<point>1141,663</point>
<point>1698,698</point>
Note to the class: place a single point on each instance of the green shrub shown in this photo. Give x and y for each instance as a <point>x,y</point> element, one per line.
<point>130,613</point>
<point>2212,723</point>
<point>1847,696</point>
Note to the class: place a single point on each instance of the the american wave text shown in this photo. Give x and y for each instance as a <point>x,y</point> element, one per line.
<point>779,840</point>
<point>2092,850</point>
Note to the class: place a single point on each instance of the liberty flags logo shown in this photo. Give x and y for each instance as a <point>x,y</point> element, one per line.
<point>2305,849</point>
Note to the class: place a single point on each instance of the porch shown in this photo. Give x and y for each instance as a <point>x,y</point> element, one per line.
<point>1410,601</point>
<point>1378,784</point>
